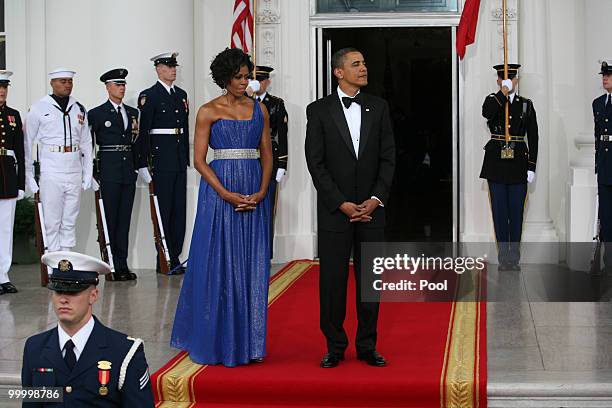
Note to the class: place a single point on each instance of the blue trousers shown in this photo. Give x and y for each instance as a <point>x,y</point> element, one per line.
<point>605,219</point>
<point>507,207</point>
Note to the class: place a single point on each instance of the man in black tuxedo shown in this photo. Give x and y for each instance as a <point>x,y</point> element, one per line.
<point>350,154</point>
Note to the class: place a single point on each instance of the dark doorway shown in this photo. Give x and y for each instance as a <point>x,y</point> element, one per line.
<point>412,69</point>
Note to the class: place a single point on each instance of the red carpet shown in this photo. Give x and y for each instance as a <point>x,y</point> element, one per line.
<point>436,354</point>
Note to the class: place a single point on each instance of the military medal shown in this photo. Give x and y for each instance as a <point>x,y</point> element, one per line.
<point>186,104</point>
<point>134,129</point>
<point>81,118</point>
<point>11,120</point>
<point>143,99</point>
<point>104,376</point>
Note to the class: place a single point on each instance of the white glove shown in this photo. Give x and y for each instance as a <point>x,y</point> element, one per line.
<point>280,173</point>
<point>31,184</point>
<point>508,84</point>
<point>144,175</point>
<point>86,185</point>
<point>20,194</point>
<point>94,185</point>
<point>530,176</point>
<point>254,86</point>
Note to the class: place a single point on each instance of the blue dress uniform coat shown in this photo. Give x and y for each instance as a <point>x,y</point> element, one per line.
<point>12,167</point>
<point>43,365</point>
<point>603,167</point>
<point>168,155</point>
<point>508,177</point>
<point>278,133</point>
<point>117,172</point>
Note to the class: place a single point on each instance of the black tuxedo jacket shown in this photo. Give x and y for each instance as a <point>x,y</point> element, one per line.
<point>339,174</point>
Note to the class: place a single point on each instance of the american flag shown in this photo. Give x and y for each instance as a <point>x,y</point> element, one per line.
<point>242,28</point>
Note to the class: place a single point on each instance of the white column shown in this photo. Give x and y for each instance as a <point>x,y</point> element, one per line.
<point>536,84</point>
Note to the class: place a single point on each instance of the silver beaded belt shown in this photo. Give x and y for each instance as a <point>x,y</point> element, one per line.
<point>223,154</point>
<point>116,148</point>
<point>6,152</point>
<point>605,138</point>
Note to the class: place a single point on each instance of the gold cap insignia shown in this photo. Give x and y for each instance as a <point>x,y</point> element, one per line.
<point>64,265</point>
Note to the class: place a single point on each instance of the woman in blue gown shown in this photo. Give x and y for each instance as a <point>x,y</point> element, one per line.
<point>222,308</point>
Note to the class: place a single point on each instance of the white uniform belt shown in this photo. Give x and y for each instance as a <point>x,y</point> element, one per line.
<point>605,138</point>
<point>62,149</point>
<point>6,152</point>
<point>222,154</point>
<point>175,131</point>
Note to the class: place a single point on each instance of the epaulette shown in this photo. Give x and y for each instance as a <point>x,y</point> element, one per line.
<point>126,361</point>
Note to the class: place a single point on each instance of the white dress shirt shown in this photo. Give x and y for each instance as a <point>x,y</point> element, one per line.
<point>262,96</point>
<point>168,88</point>
<point>353,119</point>
<point>123,114</point>
<point>79,339</point>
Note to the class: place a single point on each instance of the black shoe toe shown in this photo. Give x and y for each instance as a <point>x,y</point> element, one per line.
<point>8,287</point>
<point>372,358</point>
<point>331,360</point>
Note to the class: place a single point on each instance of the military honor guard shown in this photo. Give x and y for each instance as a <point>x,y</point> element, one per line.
<point>58,123</point>
<point>93,364</point>
<point>114,129</point>
<point>12,177</point>
<point>164,145</point>
<point>602,115</point>
<point>509,164</point>
<point>278,133</point>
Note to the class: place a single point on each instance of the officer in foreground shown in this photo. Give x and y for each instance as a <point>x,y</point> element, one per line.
<point>95,365</point>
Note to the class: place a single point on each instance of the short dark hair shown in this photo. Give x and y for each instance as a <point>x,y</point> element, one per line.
<point>227,64</point>
<point>337,60</point>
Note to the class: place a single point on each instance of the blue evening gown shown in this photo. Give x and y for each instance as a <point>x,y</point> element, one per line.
<point>222,309</point>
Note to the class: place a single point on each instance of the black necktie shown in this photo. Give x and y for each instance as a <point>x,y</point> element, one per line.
<point>608,101</point>
<point>120,116</point>
<point>172,92</point>
<point>69,357</point>
<point>348,101</point>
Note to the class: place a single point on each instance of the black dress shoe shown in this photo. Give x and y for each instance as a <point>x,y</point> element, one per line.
<point>372,358</point>
<point>331,360</point>
<point>9,288</point>
<point>179,271</point>
<point>257,360</point>
<point>515,267</point>
<point>2,290</point>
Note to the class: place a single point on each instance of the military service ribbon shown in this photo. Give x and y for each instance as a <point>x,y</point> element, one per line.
<point>104,376</point>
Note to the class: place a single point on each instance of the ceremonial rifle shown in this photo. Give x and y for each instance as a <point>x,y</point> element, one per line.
<point>596,261</point>
<point>158,228</point>
<point>103,238</point>
<point>41,233</point>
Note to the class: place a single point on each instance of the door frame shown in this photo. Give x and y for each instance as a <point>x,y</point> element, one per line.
<point>397,20</point>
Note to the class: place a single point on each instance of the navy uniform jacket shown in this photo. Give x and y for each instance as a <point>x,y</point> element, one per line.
<point>107,129</point>
<point>43,365</point>
<point>278,131</point>
<point>523,121</point>
<point>12,169</point>
<point>160,110</point>
<point>603,150</point>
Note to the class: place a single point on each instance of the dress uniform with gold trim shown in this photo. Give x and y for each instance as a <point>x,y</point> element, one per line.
<point>509,171</point>
<point>97,366</point>
<point>278,133</point>
<point>114,129</point>
<point>164,139</point>
<point>12,180</point>
<point>602,115</point>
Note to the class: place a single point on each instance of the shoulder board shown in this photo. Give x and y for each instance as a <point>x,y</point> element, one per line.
<point>491,95</point>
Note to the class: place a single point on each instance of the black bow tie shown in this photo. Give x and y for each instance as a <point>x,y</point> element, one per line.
<point>348,101</point>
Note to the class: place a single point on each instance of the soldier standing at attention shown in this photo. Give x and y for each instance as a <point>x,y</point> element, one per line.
<point>12,179</point>
<point>164,144</point>
<point>114,127</point>
<point>602,115</point>
<point>59,123</point>
<point>278,133</point>
<point>93,364</point>
<point>509,167</point>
